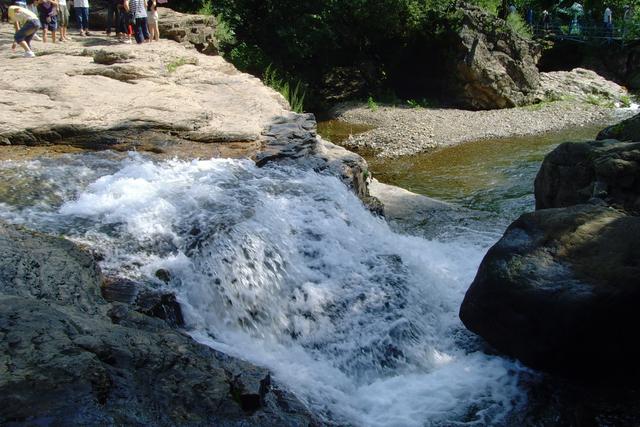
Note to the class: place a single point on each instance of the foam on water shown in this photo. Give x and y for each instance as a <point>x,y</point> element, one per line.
<point>288,270</point>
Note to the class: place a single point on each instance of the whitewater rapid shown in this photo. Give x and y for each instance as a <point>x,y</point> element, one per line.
<point>286,269</point>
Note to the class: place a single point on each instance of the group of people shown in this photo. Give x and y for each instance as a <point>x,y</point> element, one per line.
<point>132,17</point>
<point>575,11</point>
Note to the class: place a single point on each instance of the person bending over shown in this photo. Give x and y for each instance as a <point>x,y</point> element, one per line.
<point>26,24</point>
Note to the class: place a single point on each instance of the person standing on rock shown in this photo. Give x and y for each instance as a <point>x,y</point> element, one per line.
<point>48,13</point>
<point>63,19</point>
<point>113,15</point>
<point>82,15</point>
<point>124,26</point>
<point>26,24</point>
<point>139,11</point>
<point>152,20</point>
<point>608,19</point>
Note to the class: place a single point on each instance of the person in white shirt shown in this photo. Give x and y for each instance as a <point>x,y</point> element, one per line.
<point>608,18</point>
<point>139,11</point>
<point>82,15</point>
<point>26,24</point>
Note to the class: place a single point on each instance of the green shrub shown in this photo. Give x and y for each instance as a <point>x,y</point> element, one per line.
<point>371,104</point>
<point>294,94</point>
<point>518,26</point>
<point>206,8</point>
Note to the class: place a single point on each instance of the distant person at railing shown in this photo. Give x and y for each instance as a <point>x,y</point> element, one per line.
<point>530,17</point>
<point>546,20</point>
<point>608,19</point>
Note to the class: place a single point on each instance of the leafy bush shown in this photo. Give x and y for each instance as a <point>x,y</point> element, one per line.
<point>294,94</point>
<point>518,26</point>
<point>371,104</point>
<point>206,8</point>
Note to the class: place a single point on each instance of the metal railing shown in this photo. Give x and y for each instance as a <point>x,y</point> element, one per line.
<point>593,34</point>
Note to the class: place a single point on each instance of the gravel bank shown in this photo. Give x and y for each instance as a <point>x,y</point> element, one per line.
<point>403,131</point>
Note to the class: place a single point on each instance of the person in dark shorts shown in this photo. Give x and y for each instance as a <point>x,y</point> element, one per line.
<point>26,24</point>
<point>4,11</point>
<point>48,13</point>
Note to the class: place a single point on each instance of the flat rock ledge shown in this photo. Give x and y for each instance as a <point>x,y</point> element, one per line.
<point>94,90</point>
<point>68,357</point>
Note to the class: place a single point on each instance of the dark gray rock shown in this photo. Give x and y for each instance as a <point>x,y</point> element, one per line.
<point>292,140</point>
<point>560,292</point>
<point>574,173</point>
<point>627,130</point>
<point>67,357</point>
<point>492,67</point>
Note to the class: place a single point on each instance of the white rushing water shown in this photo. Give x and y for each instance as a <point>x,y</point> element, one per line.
<point>288,270</point>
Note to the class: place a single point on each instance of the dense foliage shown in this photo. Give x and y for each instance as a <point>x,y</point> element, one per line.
<point>390,42</point>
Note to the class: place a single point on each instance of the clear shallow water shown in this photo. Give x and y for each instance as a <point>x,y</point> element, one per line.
<point>286,269</point>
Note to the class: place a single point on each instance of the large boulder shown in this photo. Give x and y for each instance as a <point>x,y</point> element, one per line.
<point>575,173</point>
<point>580,84</point>
<point>560,292</point>
<point>493,67</point>
<point>195,30</point>
<point>67,357</point>
<point>627,130</point>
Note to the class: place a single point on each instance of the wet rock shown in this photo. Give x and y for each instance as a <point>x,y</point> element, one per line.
<point>492,66</point>
<point>627,130</point>
<point>163,275</point>
<point>161,305</point>
<point>560,292</point>
<point>34,265</point>
<point>579,172</point>
<point>292,140</point>
<point>70,358</point>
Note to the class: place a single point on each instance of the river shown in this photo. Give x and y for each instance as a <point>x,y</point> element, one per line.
<point>288,270</point>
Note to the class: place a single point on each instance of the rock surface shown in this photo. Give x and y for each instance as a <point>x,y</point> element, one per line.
<point>576,173</point>
<point>559,291</point>
<point>67,357</point>
<point>196,30</point>
<point>159,87</point>
<point>580,84</point>
<point>293,140</point>
<point>493,66</point>
<point>627,130</point>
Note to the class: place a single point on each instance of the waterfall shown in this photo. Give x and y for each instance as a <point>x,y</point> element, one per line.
<point>286,269</point>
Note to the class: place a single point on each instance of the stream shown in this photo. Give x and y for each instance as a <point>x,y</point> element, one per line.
<point>286,268</point>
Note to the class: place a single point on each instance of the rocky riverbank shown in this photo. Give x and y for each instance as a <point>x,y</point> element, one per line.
<point>400,131</point>
<point>583,99</point>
